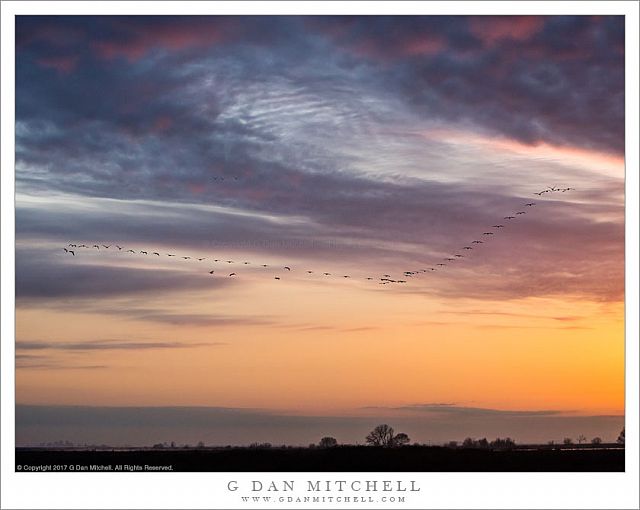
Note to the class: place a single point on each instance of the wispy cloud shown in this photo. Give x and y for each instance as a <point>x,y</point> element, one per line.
<point>104,345</point>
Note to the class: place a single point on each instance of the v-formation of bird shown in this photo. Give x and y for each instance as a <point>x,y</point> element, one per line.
<point>385,279</point>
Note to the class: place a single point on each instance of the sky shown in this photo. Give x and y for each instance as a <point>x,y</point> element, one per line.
<point>355,146</point>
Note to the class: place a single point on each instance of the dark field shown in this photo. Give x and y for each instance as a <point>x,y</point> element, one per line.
<point>342,458</point>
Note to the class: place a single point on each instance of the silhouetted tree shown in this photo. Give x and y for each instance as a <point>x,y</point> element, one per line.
<point>582,439</point>
<point>596,440</point>
<point>567,440</point>
<point>503,444</point>
<point>383,435</point>
<point>469,443</point>
<point>452,444</point>
<point>200,444</point>
<point>620,439</point>
<point>328,442</point>
<point>400,439</point>
<point>483,443</point>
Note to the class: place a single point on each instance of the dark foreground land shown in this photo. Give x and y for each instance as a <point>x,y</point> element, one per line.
<point>342,458</point>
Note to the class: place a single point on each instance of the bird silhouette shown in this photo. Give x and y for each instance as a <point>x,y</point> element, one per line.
<point>369,278</point>
<point>247,263</point>
<point>450,259</point>
<point>229,261</point>
<point>346,276</point>
<point>521,212</point>
<point>264,265</point>
<point>310,272</point>
<point>186,258</point>
<point>130,251</point>
<point>327,274</point>
<point>509,217</point>
<point>72,252</point>
<point>119,247</point>
<point>170,255</point>
<point>156,253</point>
<point>487,233</point>
<point>497,226</point>
<point>96,246</point>
<point>142,251</point>
<point>467,248</point>
<point>440,264</point>
<point>202,258</point>
<point>287,268</point>
<point>459,256</point>
<point>65,250</point>
<point>530,204</point>
<point>211,272</point>
<point>476,242</point>
<point>106,246</point>
<point>387,275</point>
<point>232,274</point>
<point>276,278</point>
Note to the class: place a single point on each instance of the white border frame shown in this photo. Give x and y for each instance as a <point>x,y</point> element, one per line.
<point>208,490</point>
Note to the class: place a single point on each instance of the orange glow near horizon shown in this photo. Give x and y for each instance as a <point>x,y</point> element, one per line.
<point>333,358</point>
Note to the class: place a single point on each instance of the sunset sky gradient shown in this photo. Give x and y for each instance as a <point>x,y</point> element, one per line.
<point>356,146</point>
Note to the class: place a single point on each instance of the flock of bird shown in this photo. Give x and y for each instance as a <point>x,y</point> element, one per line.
<point>384,279</point>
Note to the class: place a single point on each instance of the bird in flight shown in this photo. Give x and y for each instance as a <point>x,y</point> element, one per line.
<point>509,217</point>
<point>459,256</point>
<point>369,278</point>
<point>186,258</point>
<point>346,276</point>
<point>96,246</point>
<point>310,272</point>
<point>106,246</point>
<point>530,204</point>
<point>440,264</point>
<point>264,265</point>
<point>72,252</point>
<point>387,275</point>
<point>487,233</point>
<point>119,247</point>
<point>276,278</point>
<point>476,242</point>
<point>497,226</point>
<point>232,274</point>
<point>156,253</point>
<point>521,212</point>
<point>142,251</point>
<point>247,263</point>
<point>170,255</point>
<point>287,268</point>
<point>450,259</point>
<point>130,251</point>
<point>327,274</point>
<point>202,258</point>
<point>72,245</point>
<point>229,261</point>
<point>467,248</point>
<point>211,272</point>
